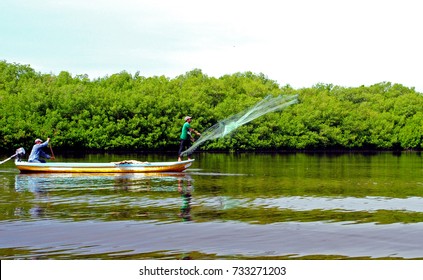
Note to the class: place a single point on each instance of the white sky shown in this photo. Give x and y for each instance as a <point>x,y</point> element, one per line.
<point>297,42</point>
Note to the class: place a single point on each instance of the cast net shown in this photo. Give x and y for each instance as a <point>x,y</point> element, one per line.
<point>230,124</point>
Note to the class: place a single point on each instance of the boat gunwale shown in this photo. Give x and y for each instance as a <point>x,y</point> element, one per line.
<point>106,167</point>
<point>102,164</point>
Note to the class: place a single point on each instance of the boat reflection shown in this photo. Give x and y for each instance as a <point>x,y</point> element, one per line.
<point>137,192</point>
<point>41,182</point>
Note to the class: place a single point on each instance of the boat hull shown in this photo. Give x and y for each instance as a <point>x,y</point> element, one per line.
<point>108,167</point>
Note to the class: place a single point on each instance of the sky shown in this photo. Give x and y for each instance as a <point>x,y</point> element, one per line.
<point>298,43</point>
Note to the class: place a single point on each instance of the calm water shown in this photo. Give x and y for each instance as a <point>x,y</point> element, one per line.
<point>226,206</point>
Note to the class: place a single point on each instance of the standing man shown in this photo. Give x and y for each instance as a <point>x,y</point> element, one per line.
<point>186,137</point>
<point>37,151</point>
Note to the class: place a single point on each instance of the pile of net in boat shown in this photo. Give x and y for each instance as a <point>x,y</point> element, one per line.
<point>130,161</point>
<point>230,124</point>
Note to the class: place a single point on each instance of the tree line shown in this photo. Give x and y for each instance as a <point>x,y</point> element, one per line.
<point>136,113</point>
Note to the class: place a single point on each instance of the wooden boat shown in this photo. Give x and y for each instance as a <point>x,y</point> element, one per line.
<point>126,166</point>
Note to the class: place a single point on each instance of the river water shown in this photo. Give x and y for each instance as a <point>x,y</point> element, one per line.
<point>226,206</point>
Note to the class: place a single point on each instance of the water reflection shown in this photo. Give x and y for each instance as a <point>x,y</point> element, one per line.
<point>43,182</point>
<point>35,186</point>
<point>31,182</point>
<point>121,196</point>
<point>243,206</point>
<point>185,191</point>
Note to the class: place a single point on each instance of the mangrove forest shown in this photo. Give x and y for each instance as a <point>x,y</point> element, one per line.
<point>130,112</point>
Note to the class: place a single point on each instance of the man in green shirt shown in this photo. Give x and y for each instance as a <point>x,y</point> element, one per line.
<point>186,137</point>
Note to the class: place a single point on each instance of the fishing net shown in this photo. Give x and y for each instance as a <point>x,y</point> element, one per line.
<point>227,126</point>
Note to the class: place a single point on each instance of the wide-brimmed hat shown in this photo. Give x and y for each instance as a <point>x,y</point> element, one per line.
<point>38,140</point>
<point>187,118</point>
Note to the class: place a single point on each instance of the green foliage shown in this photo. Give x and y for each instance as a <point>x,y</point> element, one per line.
<point>131,112</point>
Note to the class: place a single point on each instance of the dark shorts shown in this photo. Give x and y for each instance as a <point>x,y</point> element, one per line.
<point>184,145</point>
